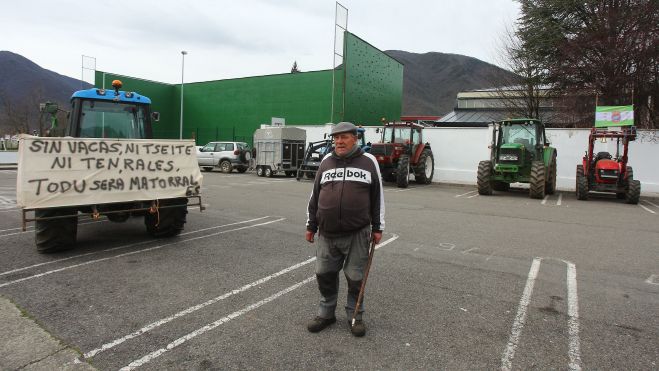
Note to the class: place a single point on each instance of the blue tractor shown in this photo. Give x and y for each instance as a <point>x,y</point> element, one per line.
<point>100,113</point>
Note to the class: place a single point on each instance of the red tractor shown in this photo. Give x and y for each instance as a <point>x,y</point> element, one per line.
<point>604,173</point>
<point>402,151</point>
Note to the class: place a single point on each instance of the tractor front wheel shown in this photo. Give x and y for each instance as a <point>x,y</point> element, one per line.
<point>582,184</point>
<point>484,178</point>
<point>424,172</point>
<point>167,222</point>
<point>537,180</point>
<point>633,192</point>
<point>55,234</point>
<point>550,187</point>
<point>403,172</point>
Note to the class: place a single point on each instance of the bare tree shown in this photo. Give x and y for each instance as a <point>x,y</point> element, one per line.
<point>523,92</point>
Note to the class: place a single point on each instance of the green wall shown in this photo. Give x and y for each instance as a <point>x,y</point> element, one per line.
<point>374,83</point>
<point>228,109</point>
<point>369,82</point>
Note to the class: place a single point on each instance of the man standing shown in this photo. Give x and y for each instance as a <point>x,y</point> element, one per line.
<point>347,209</point>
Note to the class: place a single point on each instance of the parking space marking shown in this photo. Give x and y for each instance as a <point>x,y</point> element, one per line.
<point>468,250</point>
<point>446,246</point>
<point>476,195</point>
<point>559,201</point>
<point>134,252</point>
<point>155,354</point>
<point>574,348</point>
<point>653,279</point>
<point>464,194</point>
<point>29,229</point>
<point>122,247</point>
<point>647,209</point>
<point>651,203</point>
<point>193,309</point>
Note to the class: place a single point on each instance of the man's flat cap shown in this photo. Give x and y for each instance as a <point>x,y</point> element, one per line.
<point>344,127</point>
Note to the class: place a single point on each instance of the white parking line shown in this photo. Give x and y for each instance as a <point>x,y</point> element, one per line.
<point>647,209</point>
<point>544,201</point>
<point>476,195</point>
<point>574,348</point>
<point>155,354</point>
<point>121,247</point>
<point>653,279</point>
<point>560,199</point>
<point>520,318</point>
<point>468,250</point>
<point>134,252</point>
<point>192,309</point>
<point>29,229</point>
<point>464,194</point>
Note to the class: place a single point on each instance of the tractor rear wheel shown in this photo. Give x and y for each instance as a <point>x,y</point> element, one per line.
<point>550,187</point>
<point>537,180</point>
<point>403,172</point>
<point>582,184</point>
<point>633,192</point>
<point>484,178</point>
<point>55,234</point>
<point>498,185</point>
<point>426,169</point>
<point>167,222</point>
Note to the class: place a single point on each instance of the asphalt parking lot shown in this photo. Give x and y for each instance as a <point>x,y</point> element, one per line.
<point>460,281</point>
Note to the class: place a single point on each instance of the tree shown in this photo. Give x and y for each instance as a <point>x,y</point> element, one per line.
<point>294,69</point>
<point>603,49</point>
<point>525,92</point>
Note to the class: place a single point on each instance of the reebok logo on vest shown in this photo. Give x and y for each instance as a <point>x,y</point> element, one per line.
<point>350,174</point>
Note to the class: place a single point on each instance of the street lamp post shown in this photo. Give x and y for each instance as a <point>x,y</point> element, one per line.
<point>183,54</point>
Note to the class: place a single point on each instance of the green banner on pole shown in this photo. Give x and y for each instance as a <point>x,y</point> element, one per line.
<point>606,116</point>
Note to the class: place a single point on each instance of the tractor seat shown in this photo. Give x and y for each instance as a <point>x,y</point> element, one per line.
<point>602,156</point>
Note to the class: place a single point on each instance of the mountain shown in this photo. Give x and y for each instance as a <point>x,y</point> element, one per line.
<point>431,81</point>
<point>24,84</point>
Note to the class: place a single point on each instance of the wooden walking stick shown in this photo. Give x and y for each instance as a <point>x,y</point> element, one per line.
<point>371,250</point>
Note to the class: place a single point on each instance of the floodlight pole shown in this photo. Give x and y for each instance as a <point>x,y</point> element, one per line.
<point>183,53</point>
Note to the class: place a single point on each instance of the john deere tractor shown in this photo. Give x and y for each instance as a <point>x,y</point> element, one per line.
<point>520,153</point>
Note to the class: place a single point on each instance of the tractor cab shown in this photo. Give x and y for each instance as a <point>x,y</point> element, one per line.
<point>517,143</point>
<point>100,113</point>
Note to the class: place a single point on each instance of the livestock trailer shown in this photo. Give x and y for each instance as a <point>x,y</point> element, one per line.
<point>279,150</point>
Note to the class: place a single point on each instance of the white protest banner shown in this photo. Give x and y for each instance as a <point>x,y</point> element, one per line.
<point>56,172</point>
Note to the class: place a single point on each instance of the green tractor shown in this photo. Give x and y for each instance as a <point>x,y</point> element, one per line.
<point>520,153</point>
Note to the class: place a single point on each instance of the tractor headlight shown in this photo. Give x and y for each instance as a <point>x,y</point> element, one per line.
<point>508,157</point>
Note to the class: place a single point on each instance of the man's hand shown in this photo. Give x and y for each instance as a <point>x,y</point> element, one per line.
<point>309,236</point>
<point>376,236</point>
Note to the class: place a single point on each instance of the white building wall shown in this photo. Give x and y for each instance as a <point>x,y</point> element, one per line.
<point>458,150</point>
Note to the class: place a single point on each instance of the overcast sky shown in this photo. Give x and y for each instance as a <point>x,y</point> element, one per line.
<point>228,39</point>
